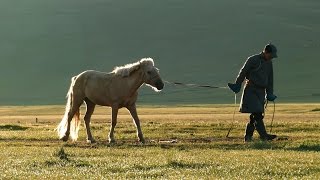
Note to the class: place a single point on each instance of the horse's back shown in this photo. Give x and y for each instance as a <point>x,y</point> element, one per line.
<point>93,85</point>
<point>94,74</point>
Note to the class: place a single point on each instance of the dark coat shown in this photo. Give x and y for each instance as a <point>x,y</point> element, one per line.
<point>258,74</point>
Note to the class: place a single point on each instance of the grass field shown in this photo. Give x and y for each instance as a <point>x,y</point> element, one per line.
<point>183,142</point>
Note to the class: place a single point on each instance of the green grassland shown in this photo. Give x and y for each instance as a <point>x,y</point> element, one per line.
<point>183,142</point>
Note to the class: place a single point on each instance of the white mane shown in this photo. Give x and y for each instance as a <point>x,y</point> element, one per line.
<point>127,69</point>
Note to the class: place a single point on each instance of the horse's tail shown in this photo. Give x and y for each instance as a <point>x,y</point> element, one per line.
<point>75,123</point>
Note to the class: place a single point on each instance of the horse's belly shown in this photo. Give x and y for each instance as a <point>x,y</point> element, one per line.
<point>100,100</point>
<point>98,97</point>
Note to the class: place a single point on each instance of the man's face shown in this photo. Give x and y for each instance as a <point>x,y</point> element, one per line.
<point>268,56</point>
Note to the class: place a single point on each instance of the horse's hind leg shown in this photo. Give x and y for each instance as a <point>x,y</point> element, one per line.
<point>73,110</point>
<point>87,118</point>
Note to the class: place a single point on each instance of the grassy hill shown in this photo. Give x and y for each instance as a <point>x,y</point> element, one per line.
<point>44,43</point>
<point>182,143</point>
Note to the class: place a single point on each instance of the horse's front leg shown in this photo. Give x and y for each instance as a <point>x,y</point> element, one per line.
<point>133,111</point>
<point>113,124</point>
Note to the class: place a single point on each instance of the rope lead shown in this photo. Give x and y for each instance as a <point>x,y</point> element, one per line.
<point>274,111</point>
<point>195,85</point>
<point>234,114</point>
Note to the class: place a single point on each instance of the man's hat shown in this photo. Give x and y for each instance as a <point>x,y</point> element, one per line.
<point>270,48</point>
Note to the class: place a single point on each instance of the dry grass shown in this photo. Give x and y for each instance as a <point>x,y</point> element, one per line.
<point>182,142</point>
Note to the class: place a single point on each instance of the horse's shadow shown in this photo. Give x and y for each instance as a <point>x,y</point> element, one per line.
<point>219,143</point>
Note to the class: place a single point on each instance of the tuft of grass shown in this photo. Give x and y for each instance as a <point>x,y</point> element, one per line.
<point>184,165</point>
<point>315,110</point>
<point>176,164</point>
<point>61,154</point>
<point>261,145</point>
<point>82,164</point>
<point>53,163</point>
<point>13,128</point>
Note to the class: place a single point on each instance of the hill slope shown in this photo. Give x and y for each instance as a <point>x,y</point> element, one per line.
<point>44,43</point>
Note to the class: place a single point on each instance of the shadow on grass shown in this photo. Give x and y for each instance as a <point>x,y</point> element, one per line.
<point>306,147</point>
<point>30,140</point>
<point>61,163</point>
<point>175,164</point>
<point>13,128</point>
<point>315,110</point>
<point>183,144</point>
<point>260,145</point>
<point>188,144</point>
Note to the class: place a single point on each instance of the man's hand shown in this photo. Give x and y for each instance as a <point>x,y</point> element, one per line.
<point>234,87</point>
<point>271,97</point>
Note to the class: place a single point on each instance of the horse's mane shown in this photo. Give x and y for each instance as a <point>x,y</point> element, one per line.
<point>127,69</point>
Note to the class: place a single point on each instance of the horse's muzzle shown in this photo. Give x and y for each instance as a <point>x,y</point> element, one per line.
<point>159,85</point>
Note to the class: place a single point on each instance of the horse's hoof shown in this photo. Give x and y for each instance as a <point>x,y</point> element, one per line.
<point>112,141</point>
<point>92,141</point>
<point>64,138</point>
<point>142,141</point>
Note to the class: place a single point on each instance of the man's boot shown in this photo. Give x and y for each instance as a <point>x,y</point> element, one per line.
<point>250,129</point>
<point>262,129</point>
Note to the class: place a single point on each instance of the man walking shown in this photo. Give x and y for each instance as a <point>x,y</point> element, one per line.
<point>257,72</point>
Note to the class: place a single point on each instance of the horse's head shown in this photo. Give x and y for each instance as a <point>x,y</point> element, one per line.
<point>151,74</point>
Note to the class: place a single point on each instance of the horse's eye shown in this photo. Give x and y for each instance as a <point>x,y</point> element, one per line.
<point>149,72</point>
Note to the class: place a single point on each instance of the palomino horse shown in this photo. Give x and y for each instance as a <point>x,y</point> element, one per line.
<point>116,89</point>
